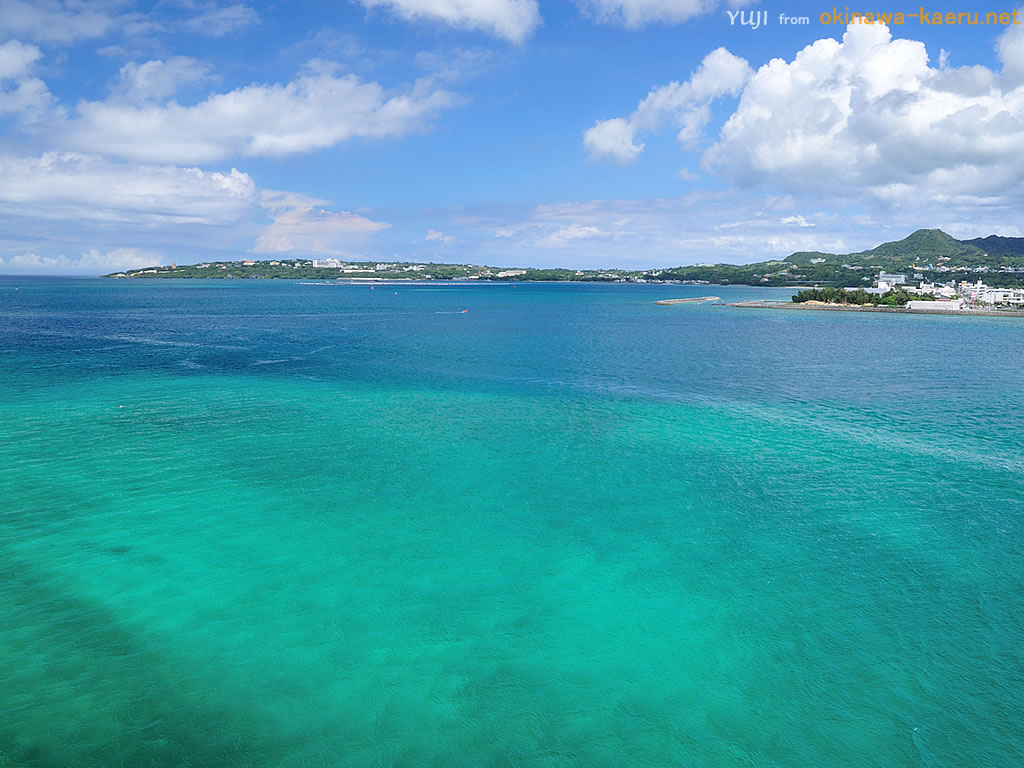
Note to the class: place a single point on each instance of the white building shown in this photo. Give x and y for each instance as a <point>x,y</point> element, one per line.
<point>979,293</point>
<point>1008,296</point>
<point>328,263</point>
<point>932,289</point>
<point>935,306</point>
<point>891,279</point>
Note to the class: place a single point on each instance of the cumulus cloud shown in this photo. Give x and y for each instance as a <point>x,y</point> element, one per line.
<point>54,20</point>
<point>438,237</point>
<point>77,187</point>
<point>17,59</point>
<point>301,225</point>
<point>21,93</point>
<point>638,13</point>
<point>509,19</point>
<point>219,22</point>
<point>317,109</point>
<point>870,115</point>
<point>613,140</point>
<point>685,104</point>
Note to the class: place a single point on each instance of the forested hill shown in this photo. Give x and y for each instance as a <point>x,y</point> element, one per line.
<point>995,245</point>
<point>927,247</point>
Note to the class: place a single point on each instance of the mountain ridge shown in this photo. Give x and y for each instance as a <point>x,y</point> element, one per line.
<point>926,247</point>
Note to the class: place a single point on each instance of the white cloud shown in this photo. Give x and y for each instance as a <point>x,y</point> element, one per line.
<point>138,25</point>
<point>30,100</point>
<point>728,225</point>
<point>575,232</point>
<point>218,22</point>
<point>57,200</point>
<point>119,258</point>
<point>157,80</point>
<point>1010,48</point>
<point>438,237</point>
<point>22,94</point>
<point>687,175</point>
<point>82,188</point>
<point>869,117</point>
<point>799,221</point>
<point>567,227</point>
<point>638,13</point>
<point>687,104</point>
<point>54,20</point>
<point>92,261</point>
<point>17,59</point>
<point>318,109</point>
<point>612,140</point>
<point>456,64</point>
<point>300,225</point>
<point>509,19</point>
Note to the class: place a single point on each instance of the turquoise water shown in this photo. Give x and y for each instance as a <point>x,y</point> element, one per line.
<point>273,524</point>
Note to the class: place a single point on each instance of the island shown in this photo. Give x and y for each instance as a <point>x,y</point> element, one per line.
<point>927,255</point>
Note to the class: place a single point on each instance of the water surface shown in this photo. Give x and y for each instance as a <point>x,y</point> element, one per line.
<point>259,523</point>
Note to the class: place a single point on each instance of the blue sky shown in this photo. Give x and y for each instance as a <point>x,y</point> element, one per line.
<point>629,133</point>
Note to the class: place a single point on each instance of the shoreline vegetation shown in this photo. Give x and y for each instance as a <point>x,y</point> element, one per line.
<point>858,298</point>
<point>928,254</point>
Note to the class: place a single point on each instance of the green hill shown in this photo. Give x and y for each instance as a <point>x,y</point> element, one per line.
<point>994,245</point>
<point>924,247</point>
<point>803,258</point>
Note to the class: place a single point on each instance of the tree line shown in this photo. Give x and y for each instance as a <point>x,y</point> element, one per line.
<point>858,297</point>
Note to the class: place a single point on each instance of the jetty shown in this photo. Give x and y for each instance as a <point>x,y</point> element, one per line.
<point>696,300</point>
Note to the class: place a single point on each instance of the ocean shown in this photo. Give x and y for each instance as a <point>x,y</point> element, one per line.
<point>267,523</point>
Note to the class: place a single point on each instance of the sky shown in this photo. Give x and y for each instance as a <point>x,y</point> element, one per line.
<point>575,133</point>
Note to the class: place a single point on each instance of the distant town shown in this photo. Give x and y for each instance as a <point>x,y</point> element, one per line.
<point>917,294</point>
<point>928,263</point>
<point>364,271</point>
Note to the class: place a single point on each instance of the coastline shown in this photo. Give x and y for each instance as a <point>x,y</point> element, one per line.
<point>898,310</point>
